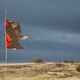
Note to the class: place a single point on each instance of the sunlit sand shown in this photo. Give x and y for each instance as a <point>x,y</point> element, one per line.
<point>40,71</point>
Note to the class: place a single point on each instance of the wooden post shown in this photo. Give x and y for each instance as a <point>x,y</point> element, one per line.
<point>6,48</point>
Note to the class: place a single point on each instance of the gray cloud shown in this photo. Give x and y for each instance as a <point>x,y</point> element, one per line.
<point>51,35</point>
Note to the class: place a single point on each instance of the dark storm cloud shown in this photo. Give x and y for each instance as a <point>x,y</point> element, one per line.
<point>52,46</point>
<point>54,14</point>
<point>53,27</point>
<point>53,51</point>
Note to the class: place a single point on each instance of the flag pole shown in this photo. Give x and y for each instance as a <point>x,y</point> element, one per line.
<point>5,46</point>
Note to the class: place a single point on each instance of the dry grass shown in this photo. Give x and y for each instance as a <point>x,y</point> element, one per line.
<point>40,71</point>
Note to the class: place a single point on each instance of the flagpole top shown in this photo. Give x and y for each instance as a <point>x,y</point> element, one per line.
<point>6,13</point>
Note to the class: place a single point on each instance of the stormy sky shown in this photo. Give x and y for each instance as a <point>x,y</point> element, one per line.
<point>53,27</point>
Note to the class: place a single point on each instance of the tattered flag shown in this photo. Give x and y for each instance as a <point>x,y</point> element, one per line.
<point>12,30</point>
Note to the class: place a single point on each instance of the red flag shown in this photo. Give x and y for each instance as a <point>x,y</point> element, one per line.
<point>12,30</point>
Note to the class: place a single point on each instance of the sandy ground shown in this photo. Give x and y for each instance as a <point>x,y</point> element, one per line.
<point>40,71</point>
